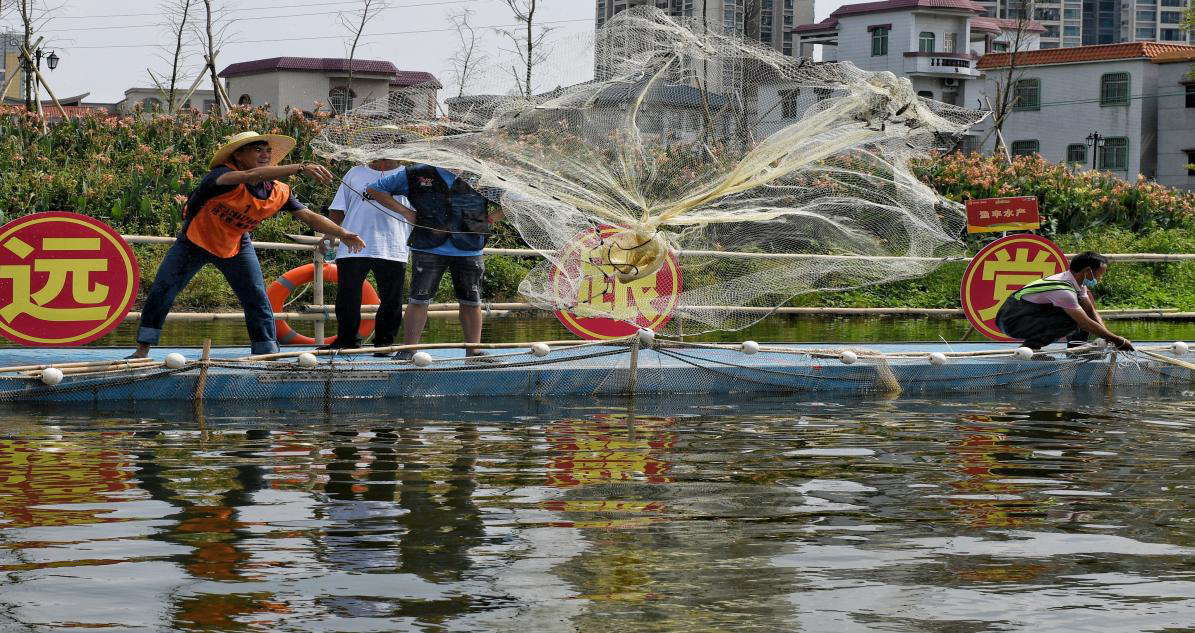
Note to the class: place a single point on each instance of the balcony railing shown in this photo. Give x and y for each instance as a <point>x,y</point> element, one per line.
<point>942,64</point>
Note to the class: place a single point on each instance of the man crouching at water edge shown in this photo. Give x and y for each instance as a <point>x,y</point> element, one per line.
<point>1059,305</point>
<point>237,194</point>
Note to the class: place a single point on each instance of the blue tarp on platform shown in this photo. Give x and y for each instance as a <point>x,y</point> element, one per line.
<point>585,371</point>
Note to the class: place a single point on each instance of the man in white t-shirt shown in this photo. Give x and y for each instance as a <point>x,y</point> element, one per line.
<point>385,254</point>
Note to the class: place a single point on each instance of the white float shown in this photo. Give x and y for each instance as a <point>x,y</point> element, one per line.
<point>646,336</point>
<point>307,359</point>
<point>1179,348</point>
<point>421,359</point>
<point>540,349</point>
<point>848,357</point>
<point>1024,353</point>
<point>749,347</point>
<point>937,358</point>
<point>174,360</point>
<point>51,376</point>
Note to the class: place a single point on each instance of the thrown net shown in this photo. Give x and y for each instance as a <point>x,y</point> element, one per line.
<point>760,176</point>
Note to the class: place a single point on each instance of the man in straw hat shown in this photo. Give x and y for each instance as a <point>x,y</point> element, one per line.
<point>237,194</point>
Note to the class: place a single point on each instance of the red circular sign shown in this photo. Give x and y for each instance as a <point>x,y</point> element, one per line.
<point>65,279</point>
<point>1000,269</point>
<point>602,306</point>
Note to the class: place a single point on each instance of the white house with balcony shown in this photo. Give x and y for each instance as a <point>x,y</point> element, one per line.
<point>330,84</point>
<point>935,43</point>
<point>1119,107</point>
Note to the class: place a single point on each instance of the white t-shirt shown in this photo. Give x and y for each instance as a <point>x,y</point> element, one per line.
<point>384,231</point>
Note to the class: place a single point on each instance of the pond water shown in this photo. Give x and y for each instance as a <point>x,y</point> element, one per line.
<point>1038,512</point>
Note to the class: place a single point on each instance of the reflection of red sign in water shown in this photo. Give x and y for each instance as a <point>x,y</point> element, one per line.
<point>1002,268</point>
<point>1002,214</point>
<point>65,279</point>
<point>596,295</point>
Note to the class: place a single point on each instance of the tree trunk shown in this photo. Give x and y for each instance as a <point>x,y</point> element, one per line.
<point>178,51</point>
<point>211,57</point>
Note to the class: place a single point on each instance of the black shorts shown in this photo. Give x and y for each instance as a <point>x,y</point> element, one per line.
<point>428,268</point>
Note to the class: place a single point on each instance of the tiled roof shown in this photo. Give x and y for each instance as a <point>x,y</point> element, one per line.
<point>406,78</point>
<point>996,25</point>
<point>824,25</point>
<point>887,5</point>
<point>1075,54</point>
<point>309,64</point>
<point>74,110</point>
<point>1173,56</point>
<point>893,5</point>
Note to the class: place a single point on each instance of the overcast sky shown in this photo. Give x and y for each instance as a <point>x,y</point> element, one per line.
<point>106,45</point>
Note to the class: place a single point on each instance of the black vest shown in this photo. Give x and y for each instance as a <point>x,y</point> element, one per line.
<point>442,213</point>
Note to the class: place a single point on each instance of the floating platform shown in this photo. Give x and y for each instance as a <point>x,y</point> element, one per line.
<point>597,370</point>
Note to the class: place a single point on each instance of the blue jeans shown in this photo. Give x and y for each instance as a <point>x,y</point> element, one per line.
<point>243,273</point>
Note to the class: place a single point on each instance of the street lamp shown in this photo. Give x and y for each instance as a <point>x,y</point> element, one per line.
<point>51,59</point>
<point>1095,141</point>
<point>33,95</point>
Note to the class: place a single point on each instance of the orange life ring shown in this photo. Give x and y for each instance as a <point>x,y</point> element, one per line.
<point>284,285</point>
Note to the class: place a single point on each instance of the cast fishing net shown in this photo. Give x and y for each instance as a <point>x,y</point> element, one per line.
<point>759,176</point>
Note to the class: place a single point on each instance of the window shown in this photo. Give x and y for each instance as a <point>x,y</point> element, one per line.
<point>1174,3</point>
<point>1172,35</point>
<point>1191,95</point>
<point>1000,47</point>
<point>1145,33</point>
<point>926,44</point>
<point>1114,89</point>
<point>1190,162</point>
<point>1025,148</point>
<point>879,42</point>
<point>1114,156</point>
<point>245,99</point>
<point>1076,153</point>
<point>790,103</point>
<point>1173,17</point>
<point>151,104</point>
<point>341,99</point>
<point>948,42</point>
<point>1070,30</point>
<point>1145,16</point>
<point>928,94</point>
<point>1070,14</point>
<point>1027,94</point>
<point>209,105</point>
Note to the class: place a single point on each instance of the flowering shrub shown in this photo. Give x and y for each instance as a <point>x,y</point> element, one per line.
<point>1071,201</point>
<point>134,172</point>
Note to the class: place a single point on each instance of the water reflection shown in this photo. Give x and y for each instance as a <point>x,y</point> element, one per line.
<point>774,513</point>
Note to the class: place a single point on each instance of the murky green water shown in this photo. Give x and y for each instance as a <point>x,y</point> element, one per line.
<point>1014,512</point>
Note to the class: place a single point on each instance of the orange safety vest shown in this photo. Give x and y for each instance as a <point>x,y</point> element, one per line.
<point>219,224</point>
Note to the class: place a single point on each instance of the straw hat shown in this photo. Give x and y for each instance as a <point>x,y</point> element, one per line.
<point>282,145</point>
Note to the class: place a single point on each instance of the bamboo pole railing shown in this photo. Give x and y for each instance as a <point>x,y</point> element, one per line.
<point>320,313</point>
